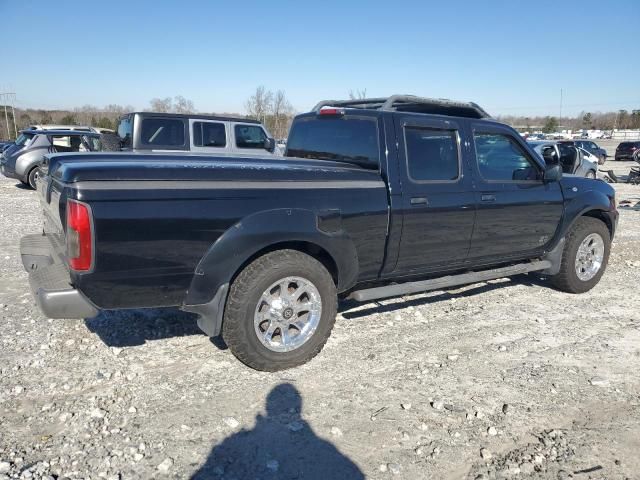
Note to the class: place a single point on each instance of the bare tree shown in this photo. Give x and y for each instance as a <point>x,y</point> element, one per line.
<point>358,94</point>
<point>177,104</point>
<point>282,111</point>
<point>259,103</point>
<point>272,109</point>
<point>182,105</point>
<point>162,105</point>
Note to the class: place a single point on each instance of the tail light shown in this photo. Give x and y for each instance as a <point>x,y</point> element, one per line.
<point>79,236</point>
<point>331,111</point>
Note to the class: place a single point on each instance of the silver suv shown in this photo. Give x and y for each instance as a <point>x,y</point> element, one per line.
<point>22,159</point>
<point>168,132</point>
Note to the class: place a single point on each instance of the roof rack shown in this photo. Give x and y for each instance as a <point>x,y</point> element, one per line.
<point>411,103</point>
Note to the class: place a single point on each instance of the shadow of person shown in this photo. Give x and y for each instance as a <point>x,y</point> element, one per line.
<point>280,445</point>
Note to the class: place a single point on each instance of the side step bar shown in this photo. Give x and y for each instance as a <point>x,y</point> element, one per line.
<point>448,281</point>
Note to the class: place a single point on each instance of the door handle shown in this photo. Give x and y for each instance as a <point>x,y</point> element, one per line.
<point>488,197</point>
<point>419,201</point>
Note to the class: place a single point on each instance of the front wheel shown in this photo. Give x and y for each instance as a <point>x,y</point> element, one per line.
<point>280,311</point>
<point>603,159</point>
<point>591,174</point>
<point>585,256</point>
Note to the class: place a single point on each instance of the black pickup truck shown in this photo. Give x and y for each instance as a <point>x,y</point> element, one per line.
<point>375,198</point>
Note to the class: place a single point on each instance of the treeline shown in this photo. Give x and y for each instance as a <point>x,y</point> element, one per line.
<point>622,119</point>
<point>271,108</point>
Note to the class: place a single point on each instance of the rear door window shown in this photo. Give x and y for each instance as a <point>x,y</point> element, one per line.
<point>162,132</point>
<point>348,139</point>
<point>67,143</point>
<point>432,154</point>
<point>209,134</point>
<point>249,136</point>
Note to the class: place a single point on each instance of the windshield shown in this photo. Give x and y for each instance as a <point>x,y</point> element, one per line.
<point>24,139</point>
<point>125,130</point>
<point>353,140</point>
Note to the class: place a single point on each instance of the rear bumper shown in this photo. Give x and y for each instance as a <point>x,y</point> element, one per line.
<point>50,281</point>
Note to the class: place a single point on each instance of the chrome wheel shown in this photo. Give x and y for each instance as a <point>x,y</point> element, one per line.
<point>287,314</point>
<point>589,257</point>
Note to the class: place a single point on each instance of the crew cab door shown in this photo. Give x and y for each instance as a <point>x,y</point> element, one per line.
<point>438,199</point>
<point>518,213</point>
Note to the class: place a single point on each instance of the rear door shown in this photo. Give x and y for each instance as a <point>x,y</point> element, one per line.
<point>518,213</point>
<point>437,190</point>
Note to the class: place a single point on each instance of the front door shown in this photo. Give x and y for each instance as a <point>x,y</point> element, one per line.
<point>518,213</point>
<point>437,194</point>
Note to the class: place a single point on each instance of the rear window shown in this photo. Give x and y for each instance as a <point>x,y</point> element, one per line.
<point>349,139</point>
<point>162,132</point>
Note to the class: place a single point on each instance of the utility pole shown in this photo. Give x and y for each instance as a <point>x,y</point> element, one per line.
<point>7,97</point>
<point>560,118</point>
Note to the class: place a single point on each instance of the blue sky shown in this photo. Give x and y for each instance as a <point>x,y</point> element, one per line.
<point>509,56</point>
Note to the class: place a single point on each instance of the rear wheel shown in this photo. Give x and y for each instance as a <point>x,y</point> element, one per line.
<point>280,311</point>
<point>33,175</point>
<point>591,174</point>
<point>585,256</point>
<point>603,159</point>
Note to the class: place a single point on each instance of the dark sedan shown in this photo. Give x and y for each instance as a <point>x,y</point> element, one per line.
<point>627,150</point>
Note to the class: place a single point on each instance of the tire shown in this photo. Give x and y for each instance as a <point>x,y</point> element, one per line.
<point>246,301</point>
<point>603,159</point>
<point>591,174</point>
<point>567,279</point>
<point>31,177</point>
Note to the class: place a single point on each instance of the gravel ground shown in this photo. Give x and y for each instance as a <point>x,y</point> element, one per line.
<point>507,378</point>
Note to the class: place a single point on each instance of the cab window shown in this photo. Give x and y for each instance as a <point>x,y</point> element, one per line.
<point>502,159</point>
<point>249,136</point>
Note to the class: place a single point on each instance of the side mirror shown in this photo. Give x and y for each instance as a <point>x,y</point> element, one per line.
<point>553,173</point>
<point>269,145</point>
<point>550,158</point>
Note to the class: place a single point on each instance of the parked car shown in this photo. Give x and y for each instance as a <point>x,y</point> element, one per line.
<point>591,147</point>
<point>4,145</point>
<point>626,150</point>
<point>572,159</point>
<point>376,198</point>
<point>536,136</point>
<point>162,132</point>
<point>23,159</point>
